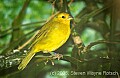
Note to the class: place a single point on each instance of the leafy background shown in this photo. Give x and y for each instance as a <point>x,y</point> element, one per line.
<point>94,44</point>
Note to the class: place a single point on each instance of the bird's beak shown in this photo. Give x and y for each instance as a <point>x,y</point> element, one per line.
<point>70,18</point>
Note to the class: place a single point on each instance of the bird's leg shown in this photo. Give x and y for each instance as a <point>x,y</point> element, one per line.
<point>56,55</point>
<point>52,57</point>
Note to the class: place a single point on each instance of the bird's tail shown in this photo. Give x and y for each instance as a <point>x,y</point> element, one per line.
<point>26,60</point>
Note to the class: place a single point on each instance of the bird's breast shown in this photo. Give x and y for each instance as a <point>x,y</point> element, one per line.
<point>59,36</point>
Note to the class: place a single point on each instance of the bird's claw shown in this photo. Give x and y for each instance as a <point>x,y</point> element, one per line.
<point>57,56</point>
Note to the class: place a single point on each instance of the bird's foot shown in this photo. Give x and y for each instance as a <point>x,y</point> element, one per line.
<point>57,56</point>
<point>52,57</point>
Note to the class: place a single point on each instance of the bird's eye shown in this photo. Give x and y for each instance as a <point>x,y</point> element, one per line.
<point>63,16</point>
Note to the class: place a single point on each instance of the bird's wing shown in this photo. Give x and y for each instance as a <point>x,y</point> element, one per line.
<point>41,34</point>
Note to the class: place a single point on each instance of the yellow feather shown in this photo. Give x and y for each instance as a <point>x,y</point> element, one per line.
<point>50,37</point>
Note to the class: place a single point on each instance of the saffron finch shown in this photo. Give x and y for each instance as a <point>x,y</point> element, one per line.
<point>50,37</point>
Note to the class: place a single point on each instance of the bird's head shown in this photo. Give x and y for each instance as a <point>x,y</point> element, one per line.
<point>63,17</point>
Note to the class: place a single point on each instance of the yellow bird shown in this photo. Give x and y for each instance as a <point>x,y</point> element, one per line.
<point>50,37</point>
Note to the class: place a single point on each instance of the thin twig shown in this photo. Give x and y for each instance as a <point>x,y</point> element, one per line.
<point>15,43</point>
<point>87,48</point>
<point>8,31</point>
<point>20,47</point>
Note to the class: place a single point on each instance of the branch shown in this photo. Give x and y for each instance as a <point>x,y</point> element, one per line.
<point>8,31</point>
<point>17,21</point>
<point>16,42</point>
<point>14,58</point>
<point>87,48</point>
